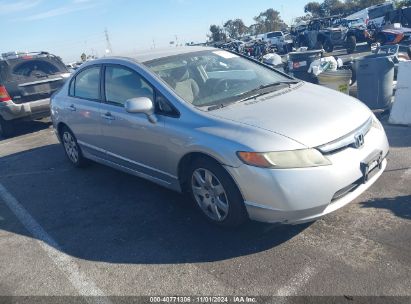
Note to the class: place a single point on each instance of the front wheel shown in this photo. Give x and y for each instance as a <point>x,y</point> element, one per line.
<point>72,149</point>
<point>351,44</point>
<point>215,194</point>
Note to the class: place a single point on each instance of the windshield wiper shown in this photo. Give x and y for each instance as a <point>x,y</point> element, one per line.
<point>250,94</point>
<point>273,84</point>
<point>216,107</point>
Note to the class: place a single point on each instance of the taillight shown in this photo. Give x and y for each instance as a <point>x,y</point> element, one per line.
<point>4,95</point>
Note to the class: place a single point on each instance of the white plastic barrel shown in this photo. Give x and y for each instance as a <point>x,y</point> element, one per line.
<point>338,80</point>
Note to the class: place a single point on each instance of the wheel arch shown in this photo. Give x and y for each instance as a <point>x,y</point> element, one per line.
<point>60,127</point>
<point>186,161</point>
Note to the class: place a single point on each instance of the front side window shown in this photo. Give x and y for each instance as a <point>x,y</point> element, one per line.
<point>209,78</point>
<point>87,84</point>
<point>122,84</point>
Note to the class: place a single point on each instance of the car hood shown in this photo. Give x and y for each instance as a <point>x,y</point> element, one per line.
<point>309,114</point>
<point>402,30</point>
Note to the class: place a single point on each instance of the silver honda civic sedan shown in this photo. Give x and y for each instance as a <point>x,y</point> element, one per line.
<point>243,140</point>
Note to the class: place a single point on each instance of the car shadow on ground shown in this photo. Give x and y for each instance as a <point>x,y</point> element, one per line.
<point>400,206</point>
<point>399,136</point>
<point>27,127</point>
<point>101,214</point>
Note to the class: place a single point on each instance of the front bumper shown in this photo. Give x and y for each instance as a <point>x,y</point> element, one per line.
<point>301,195</point>
<point>29,110</point>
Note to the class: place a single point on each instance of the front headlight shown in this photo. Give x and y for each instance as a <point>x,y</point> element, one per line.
<point>285,159</point>
<point>376,123</point>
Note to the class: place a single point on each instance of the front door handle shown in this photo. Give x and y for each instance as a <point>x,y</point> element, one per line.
<point>71,108</point>
<point>107,116</point>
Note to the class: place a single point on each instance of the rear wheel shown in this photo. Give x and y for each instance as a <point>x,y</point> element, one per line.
<point>215,193</point>
<point>72,149</point>
<point>351,44</point>
<point>319,45</point>
<point>6,128</point>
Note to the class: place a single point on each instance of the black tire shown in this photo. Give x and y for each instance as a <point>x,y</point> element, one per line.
<point>237,213</point>
<point>6,128</point>
<point>354,77</point>
<point>380,39</point>
<point>351,44</point>
<point>319,45</point>
<point>65,136</point>
<point>328,46</point>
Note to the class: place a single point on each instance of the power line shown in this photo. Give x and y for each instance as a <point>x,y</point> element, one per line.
<point>109,48</point>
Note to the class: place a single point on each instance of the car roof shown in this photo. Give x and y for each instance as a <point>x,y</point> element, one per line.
<point>143,56</point>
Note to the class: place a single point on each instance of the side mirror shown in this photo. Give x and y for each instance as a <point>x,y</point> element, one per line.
<point>141,105</point>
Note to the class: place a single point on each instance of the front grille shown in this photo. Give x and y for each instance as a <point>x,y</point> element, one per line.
<point>347,140</point>
<point>352,187</point>
<point>344,191</point>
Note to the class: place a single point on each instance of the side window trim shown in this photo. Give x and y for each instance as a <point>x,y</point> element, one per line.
<point>115,65</point>
<point>73,82</point>
<point>174,114</point>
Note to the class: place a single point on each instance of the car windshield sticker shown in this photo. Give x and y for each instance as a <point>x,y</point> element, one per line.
<point>226,55</point>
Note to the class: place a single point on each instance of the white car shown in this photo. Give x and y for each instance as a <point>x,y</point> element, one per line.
<point>274,38</point>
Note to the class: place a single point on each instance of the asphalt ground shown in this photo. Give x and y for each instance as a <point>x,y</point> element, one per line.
<point>98,231</point>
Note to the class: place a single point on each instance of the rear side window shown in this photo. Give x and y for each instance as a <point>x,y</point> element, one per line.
<point>86,84</point>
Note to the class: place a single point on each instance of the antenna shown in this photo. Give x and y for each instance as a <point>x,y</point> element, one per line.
<point>109,49</point>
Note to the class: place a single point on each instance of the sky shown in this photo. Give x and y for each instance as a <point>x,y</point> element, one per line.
<point>68,28</point>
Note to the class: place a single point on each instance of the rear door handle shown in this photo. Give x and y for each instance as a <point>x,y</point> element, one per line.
<point>107,116</point>
<point>71,108</point>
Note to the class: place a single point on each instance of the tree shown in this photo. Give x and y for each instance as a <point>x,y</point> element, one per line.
<point>338,7</point>
<point>314,8</point>
<point>332,7</point>
<point>305,18</point>
<point>217,33</point>
<point>403,3</point>
<point>235,28</point>
<point>83,57</point>
<point>269,21</point>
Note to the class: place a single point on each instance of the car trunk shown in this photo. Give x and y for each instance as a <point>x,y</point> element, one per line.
<point>33,78</point>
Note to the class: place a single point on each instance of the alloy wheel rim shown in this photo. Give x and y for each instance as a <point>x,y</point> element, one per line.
<point>70,146</point>
<point>210,194</point>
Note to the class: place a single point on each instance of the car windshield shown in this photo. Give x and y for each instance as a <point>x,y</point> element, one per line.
<point>275,34</point>
<point>215,77</point>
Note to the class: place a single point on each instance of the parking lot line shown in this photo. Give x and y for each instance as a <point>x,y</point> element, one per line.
<point>39,172</point>
<point>84,286</point>
<point>297,282</point>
